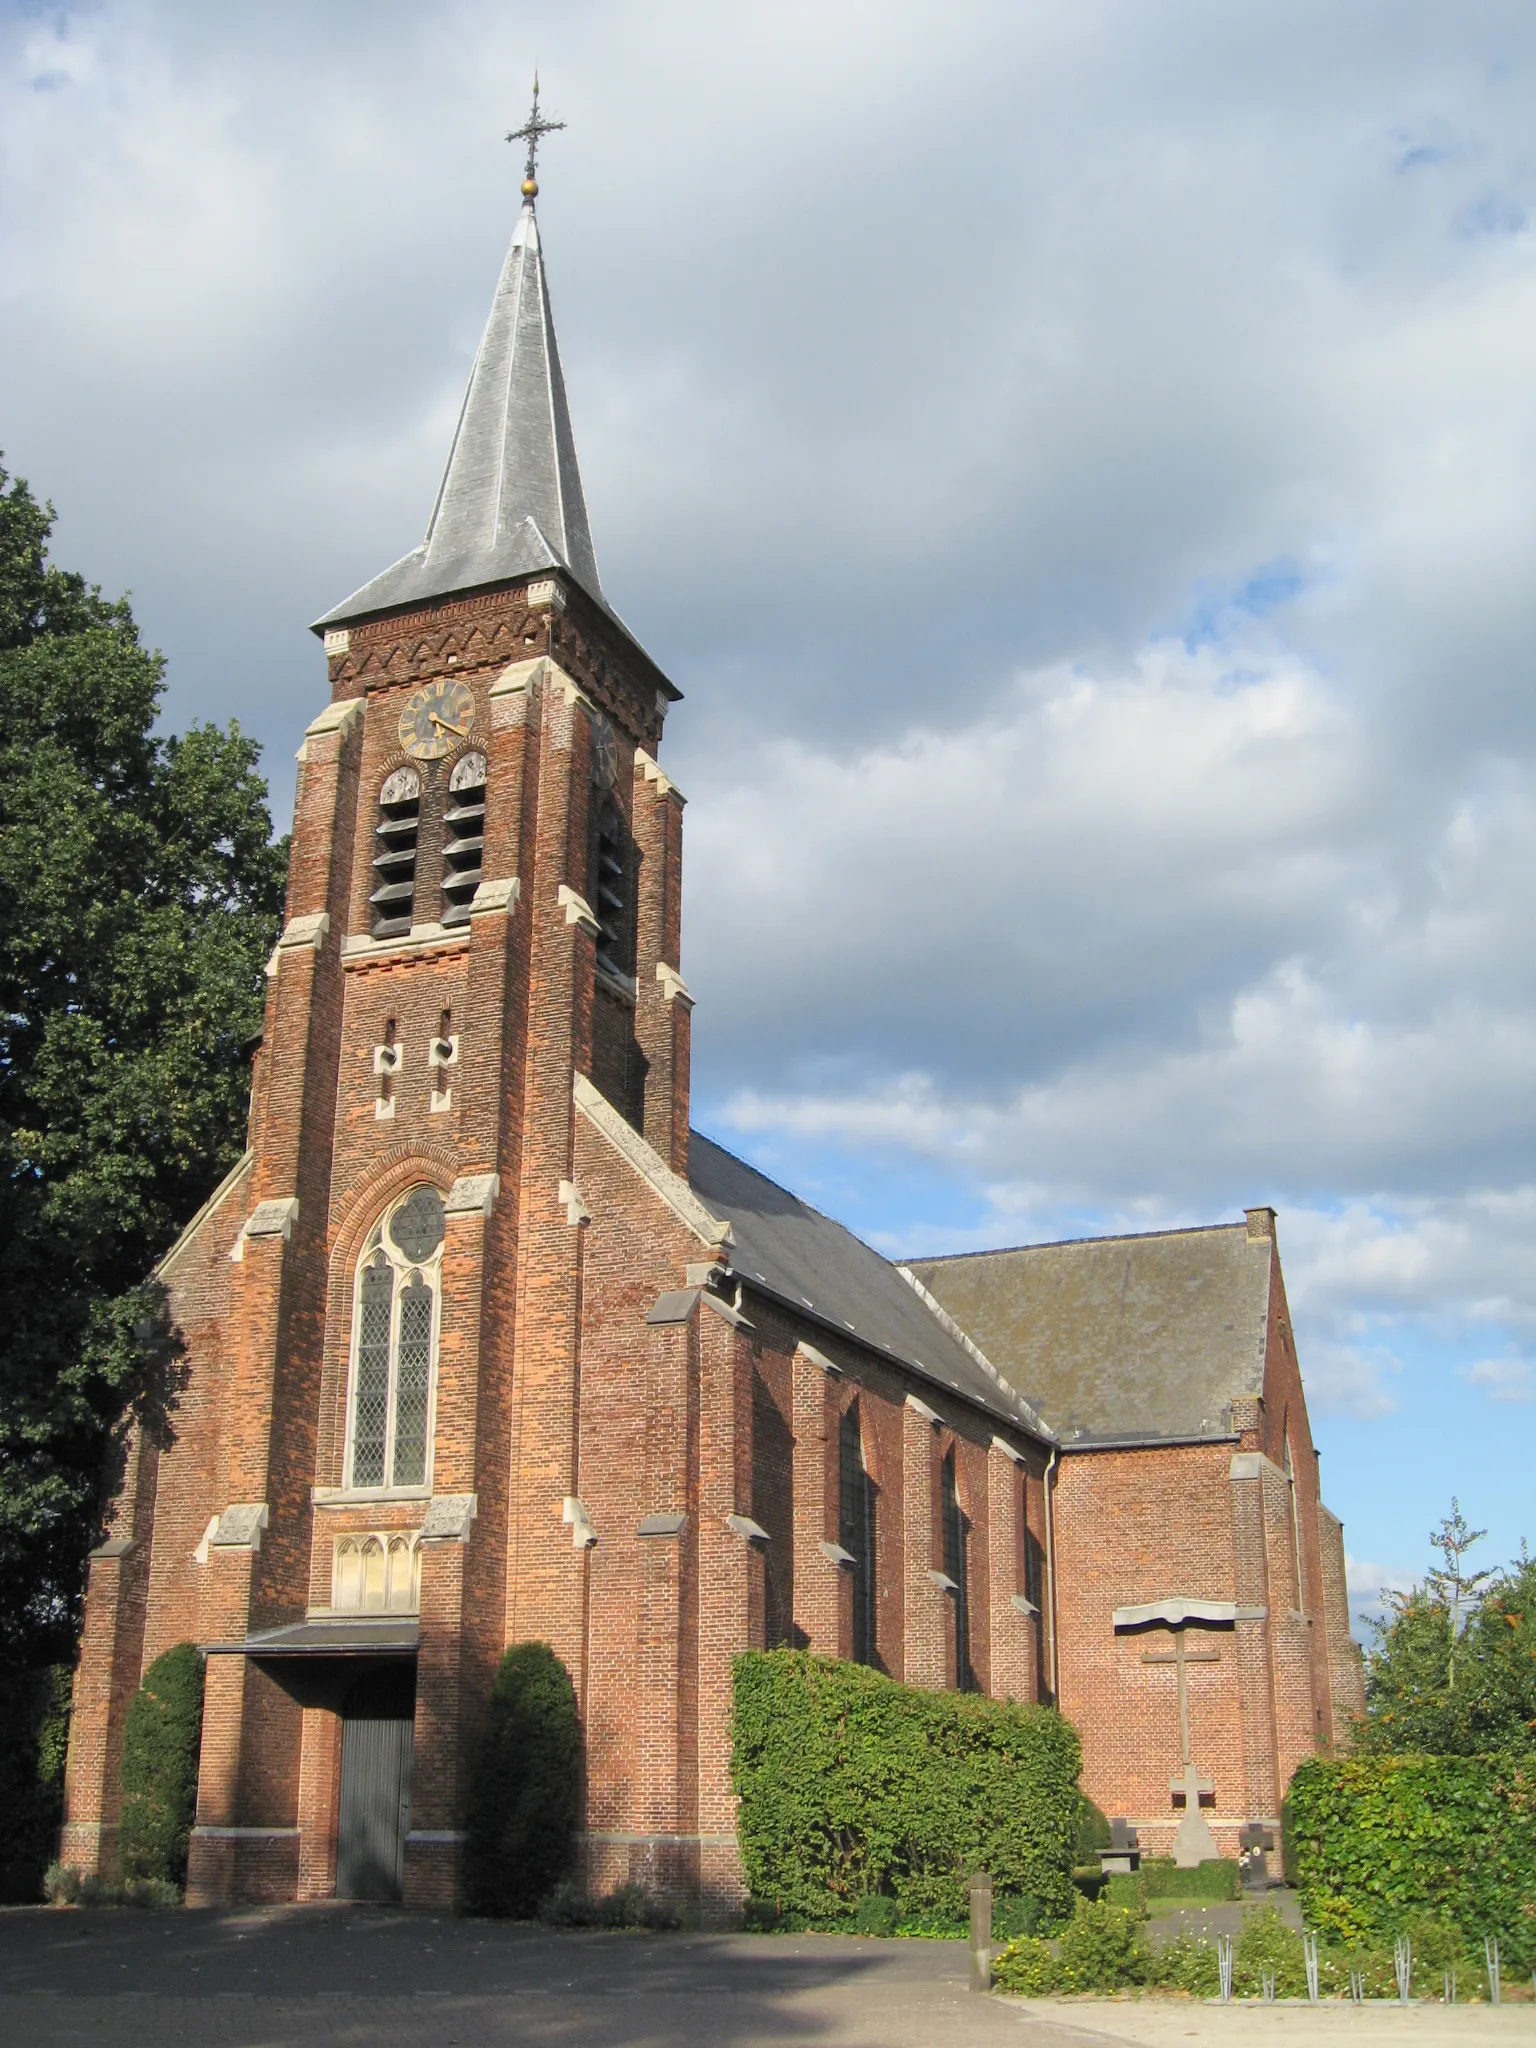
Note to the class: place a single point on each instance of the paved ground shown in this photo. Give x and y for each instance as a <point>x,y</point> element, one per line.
<point>351,1977</point>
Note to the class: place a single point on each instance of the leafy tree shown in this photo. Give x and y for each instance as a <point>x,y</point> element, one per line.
<point>139,896</point>
<point>1453,1668</point>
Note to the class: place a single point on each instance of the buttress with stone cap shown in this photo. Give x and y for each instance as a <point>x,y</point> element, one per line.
<point>511,502</point>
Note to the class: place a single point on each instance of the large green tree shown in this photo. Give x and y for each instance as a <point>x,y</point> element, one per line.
<point>1453,1668</point>
<point>139,896</point>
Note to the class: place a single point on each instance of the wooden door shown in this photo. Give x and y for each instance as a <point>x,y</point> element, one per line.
<point>377,1730</point>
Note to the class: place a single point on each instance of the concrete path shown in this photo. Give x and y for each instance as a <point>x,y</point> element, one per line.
<point>1174,2023</point>
<point>353,1977</point>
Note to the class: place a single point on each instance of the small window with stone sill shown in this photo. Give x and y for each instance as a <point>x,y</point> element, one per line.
<point>957,1531</point>
<point>377,1573</point>
<point>394,1348</point>
<point>463,837</point>
<point>393,899</point>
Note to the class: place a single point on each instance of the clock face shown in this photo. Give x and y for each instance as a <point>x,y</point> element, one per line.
<point>435,717</point>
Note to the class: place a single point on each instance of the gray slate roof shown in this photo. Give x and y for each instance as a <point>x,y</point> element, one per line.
<point>820,1269</point>
<point>1120,1338</point>
<point>511,501</point>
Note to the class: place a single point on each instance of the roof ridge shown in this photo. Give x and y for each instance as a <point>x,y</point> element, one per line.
<point>1057,1244</point>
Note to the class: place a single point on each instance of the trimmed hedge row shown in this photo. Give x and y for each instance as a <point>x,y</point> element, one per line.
<point>1370,1839</point>
<point>852,1785</point>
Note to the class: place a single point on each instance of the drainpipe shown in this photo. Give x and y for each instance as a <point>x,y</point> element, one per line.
<point>1050,1571</point>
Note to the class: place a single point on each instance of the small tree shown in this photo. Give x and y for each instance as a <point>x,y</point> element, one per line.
<point>160,1754</point>
<point>526,1786</point>
<point>1453,1584</point>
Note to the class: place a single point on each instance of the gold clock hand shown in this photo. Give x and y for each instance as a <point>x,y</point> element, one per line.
<point>459,731</point>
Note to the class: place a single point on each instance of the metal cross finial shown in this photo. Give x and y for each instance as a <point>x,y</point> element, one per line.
<point>531,132</point>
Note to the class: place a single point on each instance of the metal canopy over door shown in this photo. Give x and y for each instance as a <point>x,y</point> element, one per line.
<point>377,1726</point>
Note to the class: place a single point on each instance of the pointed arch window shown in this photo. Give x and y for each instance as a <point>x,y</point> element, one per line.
<point>856,1530</point>
<point>394,1346</point>
<point>956,1567</point>
<point>393,899</point>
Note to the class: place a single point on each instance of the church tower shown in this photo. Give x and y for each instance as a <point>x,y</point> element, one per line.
<point>482,1348</point>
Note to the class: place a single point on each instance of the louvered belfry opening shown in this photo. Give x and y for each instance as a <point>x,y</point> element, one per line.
<point>463,837</point>
<point>611,892</point>
<point>394,864</point>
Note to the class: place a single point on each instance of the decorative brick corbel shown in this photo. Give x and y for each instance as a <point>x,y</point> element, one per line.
<point>240,1526</point>
<point>472,1194</point>
<point>493,896</point>
<point>673,987</point>
<point>268,1219</point>
<point>577,910</point>
<point>448,1517</point>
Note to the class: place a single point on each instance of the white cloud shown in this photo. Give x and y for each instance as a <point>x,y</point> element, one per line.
<point>1501,1379</point>
<point>1095,547</point>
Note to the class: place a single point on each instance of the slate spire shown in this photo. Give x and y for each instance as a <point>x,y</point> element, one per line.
<point>511,501</point>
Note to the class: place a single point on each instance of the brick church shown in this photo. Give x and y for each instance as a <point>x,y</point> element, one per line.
<point>485,1345</point>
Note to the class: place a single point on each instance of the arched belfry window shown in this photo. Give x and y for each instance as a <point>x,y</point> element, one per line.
<point>394,862</point>
<point>856,1530</point>
<point>463,836</point>
<point>394,1345</point>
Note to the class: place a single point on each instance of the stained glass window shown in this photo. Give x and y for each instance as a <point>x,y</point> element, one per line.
<point>395,1345</point>
<point>370,1422</point>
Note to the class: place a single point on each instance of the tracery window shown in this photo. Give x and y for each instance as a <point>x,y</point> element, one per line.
<point>394,864</point>
<point>956,1533</point>
<point>394,1345</point>
<point>856,1530</point>
<point>376,1574</point>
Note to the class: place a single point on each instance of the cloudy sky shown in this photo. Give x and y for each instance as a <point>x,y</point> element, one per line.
<point>1079,461</point>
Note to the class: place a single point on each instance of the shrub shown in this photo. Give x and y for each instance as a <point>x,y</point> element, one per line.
<point>568,1905</point>
<point>1014,1916</point>
<point>1219,1878</point>
<point>1188,1964</point>
<point>1124,1889</point>
<point>1026,1966</point>
<point>1103,1949</point>
<point>1092,1833</point>
<point>851,1784</point>
<point>161,1741</point>
<point>522,1813</point>
<point>1266,1944</point>
<point>61,1884</point>
<point>876,1914</point>
<point>1371,1839</point>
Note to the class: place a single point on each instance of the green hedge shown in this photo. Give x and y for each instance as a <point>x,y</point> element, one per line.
<point>523,1803</point>
<point>1217,1878</point>
<point>851,1784</point>
<point>1371,1839</point>
<point>161,1742</point>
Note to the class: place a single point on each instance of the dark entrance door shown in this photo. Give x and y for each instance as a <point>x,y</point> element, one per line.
<point>377,1721</point>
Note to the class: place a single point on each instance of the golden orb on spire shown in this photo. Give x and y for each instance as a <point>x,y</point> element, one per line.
<point>530,188</point>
